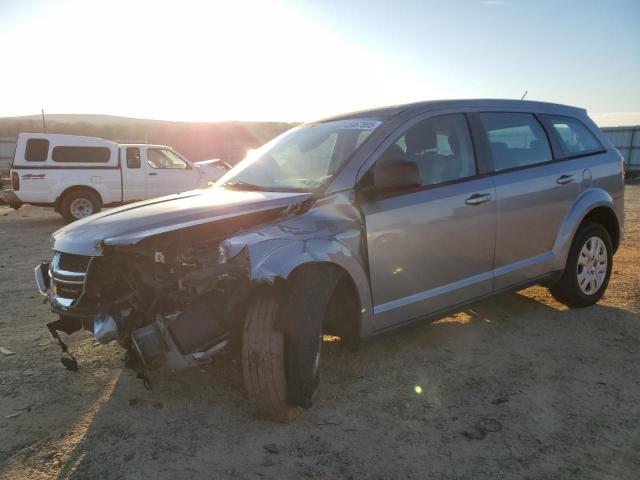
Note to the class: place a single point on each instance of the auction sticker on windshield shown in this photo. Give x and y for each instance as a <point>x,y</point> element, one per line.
<point>357,124</point>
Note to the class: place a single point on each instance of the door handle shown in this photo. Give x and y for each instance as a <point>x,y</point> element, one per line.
<point>478,198</point>
<point>564,179</point>
<point>153,173</point>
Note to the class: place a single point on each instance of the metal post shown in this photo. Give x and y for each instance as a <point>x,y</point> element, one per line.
<point>633,135</point>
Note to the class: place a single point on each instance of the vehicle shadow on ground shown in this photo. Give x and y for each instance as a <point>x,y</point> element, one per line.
<point>188,423</point>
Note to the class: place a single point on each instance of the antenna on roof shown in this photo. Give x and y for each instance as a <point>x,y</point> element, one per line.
<point>44,125</point>
<point>524,94</point>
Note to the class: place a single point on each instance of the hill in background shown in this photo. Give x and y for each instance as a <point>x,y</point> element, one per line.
<point>197,141</point>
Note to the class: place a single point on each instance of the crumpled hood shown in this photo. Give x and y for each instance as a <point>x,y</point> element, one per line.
<point>129,224</point>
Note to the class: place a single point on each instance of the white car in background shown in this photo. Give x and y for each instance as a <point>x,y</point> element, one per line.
<point>79,175</point>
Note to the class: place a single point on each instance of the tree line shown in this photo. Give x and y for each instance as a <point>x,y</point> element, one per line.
<point>197,141</point>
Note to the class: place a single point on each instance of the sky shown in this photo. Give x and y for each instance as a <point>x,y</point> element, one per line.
<point>298,60</point>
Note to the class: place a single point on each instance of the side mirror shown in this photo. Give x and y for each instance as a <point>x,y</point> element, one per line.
<point>393,175</point>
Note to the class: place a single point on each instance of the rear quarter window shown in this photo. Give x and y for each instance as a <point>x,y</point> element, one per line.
<point>81,154</point>
<point>575,137</point>
<point>36,150</point>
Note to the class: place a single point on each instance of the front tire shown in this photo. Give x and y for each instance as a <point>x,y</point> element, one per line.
<point>282,342</point>
<point>263,363</point>
<point>78,204</point>
<point>588,269</point>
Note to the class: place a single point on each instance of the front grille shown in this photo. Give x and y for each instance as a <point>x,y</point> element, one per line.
<point>73,263</point>
<point>66,290</point>
<point>68,273</point>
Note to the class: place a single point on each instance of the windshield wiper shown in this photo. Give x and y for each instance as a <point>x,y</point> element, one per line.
<point>251,187</point>
<point>245,186</point>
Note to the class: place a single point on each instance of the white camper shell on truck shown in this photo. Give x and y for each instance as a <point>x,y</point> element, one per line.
<point>79,175</point>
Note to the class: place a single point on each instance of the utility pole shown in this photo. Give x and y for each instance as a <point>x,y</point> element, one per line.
<point>44,125</point>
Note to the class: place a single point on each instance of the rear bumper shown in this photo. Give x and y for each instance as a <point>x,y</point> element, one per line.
<point>12,199</point>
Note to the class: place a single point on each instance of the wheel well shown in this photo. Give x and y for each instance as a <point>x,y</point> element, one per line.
<point>607,218</point>
<point>342,317</point>
<point>343,314</point>
<point>73,189</point>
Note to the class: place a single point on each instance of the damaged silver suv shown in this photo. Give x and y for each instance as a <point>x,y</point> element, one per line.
<point>348,226</point>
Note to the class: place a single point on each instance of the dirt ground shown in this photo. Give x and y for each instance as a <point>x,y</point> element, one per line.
<point>514,387</point>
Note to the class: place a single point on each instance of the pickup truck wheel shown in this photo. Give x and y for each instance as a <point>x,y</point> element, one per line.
<point>263,363</point>
<point>78,204</point>
<point>586,274</point>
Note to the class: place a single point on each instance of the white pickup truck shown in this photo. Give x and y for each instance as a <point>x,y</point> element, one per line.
<point>78,175</point>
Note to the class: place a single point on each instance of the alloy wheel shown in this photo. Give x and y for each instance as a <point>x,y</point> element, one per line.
<point>592,265</point>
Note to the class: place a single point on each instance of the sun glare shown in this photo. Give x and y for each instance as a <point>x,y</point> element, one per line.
<point>196,61</point>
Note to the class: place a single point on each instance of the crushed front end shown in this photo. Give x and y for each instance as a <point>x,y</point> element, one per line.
<point>170,306</point>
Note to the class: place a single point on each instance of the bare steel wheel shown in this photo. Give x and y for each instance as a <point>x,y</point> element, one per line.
<point>78,204</point>
<point>588,268</point>
<point>592,265</point>
<point>80,208</point>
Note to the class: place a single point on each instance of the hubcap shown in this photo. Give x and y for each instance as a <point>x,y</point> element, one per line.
<point>592,265</point>
<point>81,207</point>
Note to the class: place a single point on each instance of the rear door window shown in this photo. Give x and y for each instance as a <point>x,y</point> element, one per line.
<point>67,154</point>
<point>36,150</point>
<point>575,137</point>
<point>516,140</point>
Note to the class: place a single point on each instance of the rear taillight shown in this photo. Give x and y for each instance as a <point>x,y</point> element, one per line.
<point>15,181</point>
<point>623,167</point>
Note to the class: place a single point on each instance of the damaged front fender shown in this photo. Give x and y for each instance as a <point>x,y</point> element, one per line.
<point>331,231</point>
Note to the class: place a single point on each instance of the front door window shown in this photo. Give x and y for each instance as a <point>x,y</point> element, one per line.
<point>162,158</point>
<point>441,147</point>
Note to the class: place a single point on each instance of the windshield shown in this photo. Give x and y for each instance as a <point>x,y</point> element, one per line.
<point>300,159</point>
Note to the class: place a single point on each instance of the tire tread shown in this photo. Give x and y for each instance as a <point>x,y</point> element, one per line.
<point>263,358</point>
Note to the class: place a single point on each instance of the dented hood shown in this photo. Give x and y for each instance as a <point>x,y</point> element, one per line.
<point>129,224</point>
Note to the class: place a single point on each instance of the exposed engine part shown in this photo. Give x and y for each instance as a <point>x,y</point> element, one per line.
<point>201,357</point>
<point>105,328</point>
<point>179,341</point>
<point>200,323</point>
<point>148,343</point>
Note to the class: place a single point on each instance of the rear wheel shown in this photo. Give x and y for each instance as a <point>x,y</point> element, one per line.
<point>586,274</point>
<point>78,204</point>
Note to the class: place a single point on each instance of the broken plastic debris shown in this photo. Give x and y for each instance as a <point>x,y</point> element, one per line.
<point>5,351</point>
